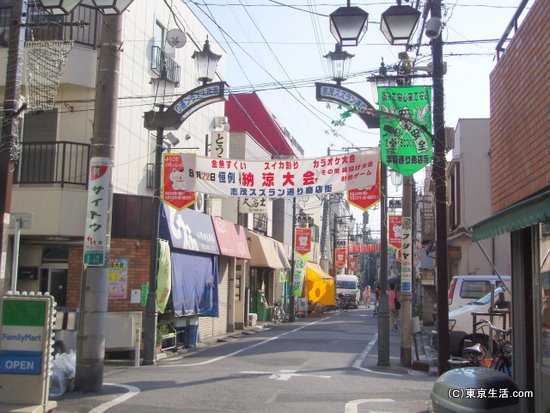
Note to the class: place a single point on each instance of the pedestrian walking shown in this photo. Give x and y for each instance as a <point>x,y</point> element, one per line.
<point>366,296</point>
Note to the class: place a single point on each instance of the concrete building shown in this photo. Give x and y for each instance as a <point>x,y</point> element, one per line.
<point>469,201</point>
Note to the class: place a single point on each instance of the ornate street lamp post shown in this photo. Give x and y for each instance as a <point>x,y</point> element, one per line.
<point>206,65</point>
<point>345,26</point>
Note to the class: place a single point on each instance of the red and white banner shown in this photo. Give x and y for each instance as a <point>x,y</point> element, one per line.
<point>279,178</point>
<point>303,241</point>
<point>352,263</point>
<point>340,257</point>
<point>173,190</point>
<point>366,198</point>
<point>394,231</point>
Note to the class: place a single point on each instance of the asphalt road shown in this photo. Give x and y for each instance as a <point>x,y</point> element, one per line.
<point>325,364</point>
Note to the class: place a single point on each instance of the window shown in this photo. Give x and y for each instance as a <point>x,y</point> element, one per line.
<point>474,289</point>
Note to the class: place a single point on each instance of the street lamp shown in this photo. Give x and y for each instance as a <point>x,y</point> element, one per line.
<point>60,7</point>
<point>206,63</point>
<point>110,7</point>
<point>206,68</point>
<point>398,23</point>
<point>340,62</point>
<point>349,24</point>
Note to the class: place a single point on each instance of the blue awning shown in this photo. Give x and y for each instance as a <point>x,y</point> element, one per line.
<point>194,284</point>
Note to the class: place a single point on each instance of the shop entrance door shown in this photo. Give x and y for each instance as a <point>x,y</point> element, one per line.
<point>54,281</point>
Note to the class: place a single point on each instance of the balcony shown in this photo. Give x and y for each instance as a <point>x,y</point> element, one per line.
<point>53,29</point>
<point>160,62</point>
<point>53,164</point>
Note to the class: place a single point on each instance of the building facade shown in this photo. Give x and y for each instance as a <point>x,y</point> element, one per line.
<point>520,191</point>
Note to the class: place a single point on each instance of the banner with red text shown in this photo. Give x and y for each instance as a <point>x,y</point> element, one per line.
<point>394,231</point>
<point>279,178</point>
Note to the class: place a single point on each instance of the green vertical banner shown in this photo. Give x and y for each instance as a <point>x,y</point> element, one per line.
<point>405,127</point>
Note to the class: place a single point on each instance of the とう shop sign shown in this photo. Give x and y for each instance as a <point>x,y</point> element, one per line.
<point>173,177</point>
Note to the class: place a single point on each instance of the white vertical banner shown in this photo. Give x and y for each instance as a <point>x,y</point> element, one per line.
<point>406,253</point>
<point>220,145</point>
<point>97,212</point>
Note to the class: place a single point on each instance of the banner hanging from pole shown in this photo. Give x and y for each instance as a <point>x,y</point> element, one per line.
<point>279,178</point>
<point>406,127</point>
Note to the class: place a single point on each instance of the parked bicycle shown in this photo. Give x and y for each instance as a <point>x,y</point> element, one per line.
<point>478,356</point>
<point>278,313</point>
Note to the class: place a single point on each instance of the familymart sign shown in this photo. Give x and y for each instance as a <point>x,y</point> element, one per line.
<point>25,331</point>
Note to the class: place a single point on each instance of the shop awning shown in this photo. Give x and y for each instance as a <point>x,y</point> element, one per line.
<point>231,238</point>
<point>188,230</point>
<point>521,215</point>
<point>266,252</point>
<point>319,285</point>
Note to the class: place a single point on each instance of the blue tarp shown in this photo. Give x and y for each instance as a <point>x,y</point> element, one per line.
<point>194,284</point>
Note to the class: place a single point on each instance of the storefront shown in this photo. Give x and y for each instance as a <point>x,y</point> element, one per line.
<point>234,258</point>
<point>267,280</point>
<point>194,256</point>
<point>528,222</point>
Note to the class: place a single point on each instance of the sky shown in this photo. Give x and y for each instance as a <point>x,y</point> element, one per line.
<point>276,48</point>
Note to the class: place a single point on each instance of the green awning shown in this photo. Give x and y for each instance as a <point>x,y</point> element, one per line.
<point>526,213</point>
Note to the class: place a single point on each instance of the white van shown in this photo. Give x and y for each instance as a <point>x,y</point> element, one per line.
<point>461,321</point>
<point>348,284</point>
<point>463,289</point>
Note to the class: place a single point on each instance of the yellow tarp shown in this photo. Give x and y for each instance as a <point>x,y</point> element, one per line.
<point>319,287</point>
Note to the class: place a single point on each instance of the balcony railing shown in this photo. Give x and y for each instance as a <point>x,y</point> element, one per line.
<point>55,27</point>
<point>160,62</point>
<point>53,163</point>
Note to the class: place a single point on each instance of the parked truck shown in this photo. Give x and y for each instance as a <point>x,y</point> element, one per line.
<point>348,286</point>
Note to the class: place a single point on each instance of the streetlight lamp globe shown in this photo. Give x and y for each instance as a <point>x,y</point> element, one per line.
<point>398,23</point>
<point>348,25</point>
<point>340,63</point>
<point>111,7</point>
<point>60,7</point>
<point>206,63</point>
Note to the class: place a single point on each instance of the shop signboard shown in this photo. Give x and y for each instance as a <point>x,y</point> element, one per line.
<point>406,253</point>
<point>25,349</point>
<point>97,212</point>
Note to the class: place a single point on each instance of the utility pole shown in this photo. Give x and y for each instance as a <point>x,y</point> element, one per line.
<point>383,304</point>
<point>406,296</point>
<point>292,299</point>
<point>94,290</point>
<point>440,183</point>
<point>9,153</point>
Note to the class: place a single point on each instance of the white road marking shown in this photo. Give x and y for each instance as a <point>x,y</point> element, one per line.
<point>351,406</point>
<point>284,374</point>
<point>359,360</point>
<point>215,359</point>
<point>132,391</point>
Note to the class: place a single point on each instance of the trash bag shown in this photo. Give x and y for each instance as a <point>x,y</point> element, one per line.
<point>63,374</point>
